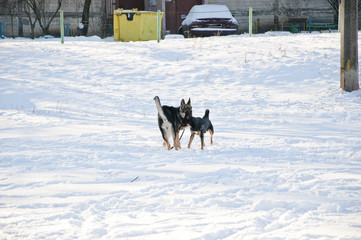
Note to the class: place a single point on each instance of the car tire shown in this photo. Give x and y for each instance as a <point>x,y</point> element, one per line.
<point>180,30</point>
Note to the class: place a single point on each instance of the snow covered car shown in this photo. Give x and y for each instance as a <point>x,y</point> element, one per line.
<point>208,20</point>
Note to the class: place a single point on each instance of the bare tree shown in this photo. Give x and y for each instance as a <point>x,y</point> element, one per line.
<point>336,3</point>
<point>42,15</point>
<point>47,15</point>
<point>31,16</point>
<point>103,19</point>
<point>85,18</point>
<point>11,8</point>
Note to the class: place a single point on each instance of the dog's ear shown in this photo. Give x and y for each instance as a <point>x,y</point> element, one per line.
<point>189,101</point>
<point>183,102</point>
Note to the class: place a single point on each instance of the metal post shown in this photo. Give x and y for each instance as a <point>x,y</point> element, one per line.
<point>67,29</point>
<point>349,49</point>
<point>250,21</point>
<point>158,26</point>
<point>1,30</point>
<point>62,26</point>
<point>339,18</point>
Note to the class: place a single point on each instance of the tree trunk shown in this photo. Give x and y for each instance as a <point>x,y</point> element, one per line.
<point>12,26</point>
<point>10,7</point>
<point>103,15</point>
<point>21,26</point>
<point>27,8</point>
<point>85,17</point>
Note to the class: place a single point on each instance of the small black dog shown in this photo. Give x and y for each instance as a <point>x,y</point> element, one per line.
<point>200,126</point>
<point>171,120</point>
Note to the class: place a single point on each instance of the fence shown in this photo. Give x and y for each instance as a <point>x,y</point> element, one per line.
<point>21,26</point>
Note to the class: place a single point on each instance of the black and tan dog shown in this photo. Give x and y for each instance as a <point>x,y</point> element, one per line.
<point>171,120</point>
<point>200,126</point>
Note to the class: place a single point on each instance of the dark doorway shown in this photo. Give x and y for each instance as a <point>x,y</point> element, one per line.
<point>174,9</point>
<point>130,4</point>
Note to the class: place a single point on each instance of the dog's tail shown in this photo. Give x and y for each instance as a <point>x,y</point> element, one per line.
<point>159,108</point>
<point>206,114</point>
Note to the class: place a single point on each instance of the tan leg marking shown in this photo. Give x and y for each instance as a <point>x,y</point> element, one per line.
<point>191,139</point>
<point>211,133</point>
<point>177,139</point>
<point>166,142</point>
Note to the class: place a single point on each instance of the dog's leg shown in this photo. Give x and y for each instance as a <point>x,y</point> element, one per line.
<point>177,139</point>
<point>175,143</point>
<point>202,140</point>
<point>191,139</point>
<point>174,136</point>
<point>166,142</point>
<point>211,133</point>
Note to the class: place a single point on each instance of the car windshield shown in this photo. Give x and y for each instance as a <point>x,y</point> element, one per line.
<point>209,11</point>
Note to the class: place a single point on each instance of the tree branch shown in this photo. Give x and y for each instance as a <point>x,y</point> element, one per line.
<point>56,12</point>
<point>334,4</point>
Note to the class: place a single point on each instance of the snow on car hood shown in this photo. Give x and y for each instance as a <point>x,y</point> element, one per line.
<point>208,11</point>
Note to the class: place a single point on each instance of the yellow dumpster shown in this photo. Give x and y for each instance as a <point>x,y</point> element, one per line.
<point>134,25</point>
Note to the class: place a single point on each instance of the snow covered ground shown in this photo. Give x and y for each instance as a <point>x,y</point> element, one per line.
<point>81,155</point>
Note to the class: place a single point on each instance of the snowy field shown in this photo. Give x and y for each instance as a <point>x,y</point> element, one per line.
<point>82,157</point>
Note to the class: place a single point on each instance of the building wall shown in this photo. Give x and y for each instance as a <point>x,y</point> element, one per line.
<point>276,14</point>
<point>267,14</point>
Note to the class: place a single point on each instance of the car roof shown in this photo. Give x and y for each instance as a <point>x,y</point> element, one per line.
<point>208,11</point>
